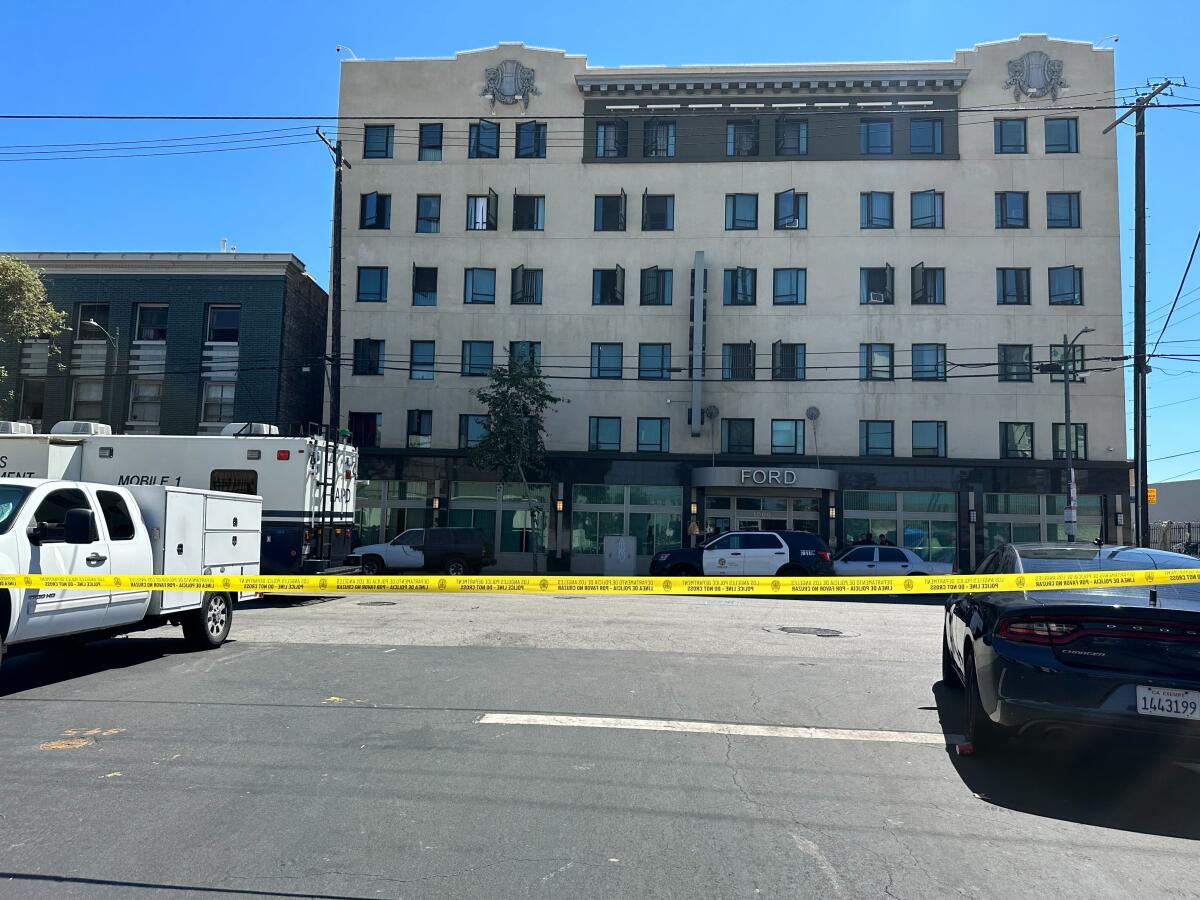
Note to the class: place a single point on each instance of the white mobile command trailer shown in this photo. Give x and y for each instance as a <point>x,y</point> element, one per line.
<point>307,483</point>
<point>57,527</point>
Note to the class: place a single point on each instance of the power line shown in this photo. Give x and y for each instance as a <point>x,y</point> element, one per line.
<point>1182,282</point>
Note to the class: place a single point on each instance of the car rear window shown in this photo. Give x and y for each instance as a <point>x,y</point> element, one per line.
<point>1088,560</point>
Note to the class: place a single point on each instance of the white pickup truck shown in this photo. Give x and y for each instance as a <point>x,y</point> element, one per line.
<point>53,527</point>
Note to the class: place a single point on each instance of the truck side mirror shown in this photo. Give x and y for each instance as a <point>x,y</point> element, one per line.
<point>79,526</point>
<point>35,534</point>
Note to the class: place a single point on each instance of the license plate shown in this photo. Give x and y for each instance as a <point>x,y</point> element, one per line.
<point>1168,702</point>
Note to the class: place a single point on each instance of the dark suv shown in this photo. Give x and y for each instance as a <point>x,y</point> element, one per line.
<point>754,553</point>
<point>455,551</point>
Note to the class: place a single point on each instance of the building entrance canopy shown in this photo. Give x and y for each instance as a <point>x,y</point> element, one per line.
<point>765,477</point>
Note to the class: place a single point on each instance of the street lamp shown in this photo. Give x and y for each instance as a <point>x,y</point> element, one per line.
<point>1067,367</point>
<point>115,342</point>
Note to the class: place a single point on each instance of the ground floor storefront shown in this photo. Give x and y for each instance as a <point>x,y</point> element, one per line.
<point>948,511</point>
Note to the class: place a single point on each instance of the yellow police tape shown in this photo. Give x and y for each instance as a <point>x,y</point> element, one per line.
<point>605,584</point>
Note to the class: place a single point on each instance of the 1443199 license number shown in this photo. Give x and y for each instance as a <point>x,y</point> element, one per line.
<point>1170,702</point>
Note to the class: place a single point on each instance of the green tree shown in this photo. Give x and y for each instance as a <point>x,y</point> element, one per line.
<point>516,398</point>
<point>24,310</point>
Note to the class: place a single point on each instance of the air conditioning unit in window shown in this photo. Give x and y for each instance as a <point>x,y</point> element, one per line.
<point>877,297</point>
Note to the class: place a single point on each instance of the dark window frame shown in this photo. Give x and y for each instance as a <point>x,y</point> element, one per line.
<point>936,126</point>
<point>1072,142</point>
<point>470,291</point>
<point>210,329</point>
<point>465,423</point>
<point>740,287</point>
<point>939,363</point>
<point>1058,438</point>
<point>373,148</point>
<point>789,361</point>
<point>418,425</point>
<point>795,218</point>
<point>422,370</point>
<point>1073,218</point>
<point>796,448</point>
<point>735,219</point>
<point>1012,371</point>
<point>608,286</point>
<point>526,219</point>
<point>799,275</point>
<point>922,279</point>
<point>1076,295</point>
<point>939,445</point>
<point>475,368</point>
<point>375,211</point>
<point>432,219</point>
<point>656,286</point>
<point>1003,143</point>
<point>866,361</point>
<point>602,369</point>
<point>1004,217</point>
<point>429,149</point>
<point>610,212</point>
<point>483,140</point>
<point>742,137</point>
<point>371,296</point>
<point>867,218</point>
<point>937,220</point>
<point>141,327</point>
<point>652,148</point>
<point>1020,278</point>
<point>739,361</point>
<point>744,444</point>
<point>664,435</point>
<point>785,145</point>
<point>536,147</point>
<point>618,146</point>
<point>867,275</point>
<point>866,436</point>
<point>868,131</point>
<point>420,285</point>
<point>661,371</point>
<point>525,287</point>
<point>666,215</point>
<point>1010,449</point>
<point>368,357</point>
<point>595,441</point>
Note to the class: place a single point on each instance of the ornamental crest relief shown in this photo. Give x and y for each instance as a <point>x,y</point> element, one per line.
<point>1035,75</point>
<point>509,82</point>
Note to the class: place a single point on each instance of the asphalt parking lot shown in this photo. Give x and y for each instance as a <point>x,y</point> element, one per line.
<point>574,746</point>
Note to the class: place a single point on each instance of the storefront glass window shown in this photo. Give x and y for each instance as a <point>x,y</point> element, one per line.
<point>857,527</point>
<point>655,531</point>
<point>601,494</point>
<point>716,502</point>
<point>1088,505</point>
<point>653,495</point>
<point>1012,504</point>
<point>929,501</point>
<point>588,530</point>
<point>473,490</point>
<point>872,501</point>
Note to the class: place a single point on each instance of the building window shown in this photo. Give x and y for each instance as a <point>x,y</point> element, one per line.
<point>612,139</point>
<point>926,209</point>
<point>531,140</point>
<point>929,362</point>
<point>429,213</point>
<point>608,287</point>
<point>476,357</point>
<point>928,286</point>
<point>741,137</point>
<point>787,436</point>
<point>479,286</point>
<point>224,324</point>
<point>737,362</point>
<point>1062,136</point>
<point>929,439</point>
<point>790,287</point>
<point>1066,286</point>
<point>424,286</point>
<point>1062,209</point>
<point>1012,287</point>
<point>737,435</point>
<point>791,210</point>
<point>787,361</point>
<point>145,401</point>
<point>377,141</point>
<point>741,212</point>
<point>1016,440</point>
<point>218,401</point>
<point>607,360</point>
<point>527,352</point>
<point>610,212</point>
<point>33,400</point>
<point>87,400</point>
<point>419,433</point>
<point>876,285</point>
<point>654,435</point>
<point>876,362</point>
<point>604,433</point>
<point>368,357</point>
<point>1009,135</point>
<point>1077,361</point>
<point>421,360</point>
<point>658,139</point>
<point>741,287</point>
<point>151,323</point>
<point>526,286</point>
<point>656,286</point>
<point>1015,362</point>
<point>482,211</point>
<point>430,142</point>
<point>925,136</point>
<point>791,137</point>
<point>875,209</point>
<point>483,140</point>
<point>654,362</point>
<point>471,430</point>
<point>529,212</point>
<point>876,437</point>
<point>658,212</point>
<point>88,313</point>
<point>372,284</point>
<point>375,211</point>
<point>1079,449</point>
<point>366,428</point>
<point>1012,209</point>
<point>875,136</point>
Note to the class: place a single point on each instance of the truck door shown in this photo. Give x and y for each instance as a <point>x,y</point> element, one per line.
<point>406,551</point>
<point>130,554</point>
<point>46,612</point>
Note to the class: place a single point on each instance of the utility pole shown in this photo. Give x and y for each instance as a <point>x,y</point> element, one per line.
<point>1067,367</point>
<point>1140,366</point>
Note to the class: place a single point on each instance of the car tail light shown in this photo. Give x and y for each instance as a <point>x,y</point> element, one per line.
<point>1035,631</point>
<point>283,454</point>
<point>824,554</point>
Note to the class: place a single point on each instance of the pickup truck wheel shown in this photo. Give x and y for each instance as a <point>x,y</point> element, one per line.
<point>457,566</point>
<point>373,565</point>
<point>208,626</point>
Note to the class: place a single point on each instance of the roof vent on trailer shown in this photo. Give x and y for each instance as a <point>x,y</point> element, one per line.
<point>244,429</point>
<point>16,428</point>
<point>70,427</point>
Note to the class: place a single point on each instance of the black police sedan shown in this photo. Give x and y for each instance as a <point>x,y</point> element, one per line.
<point>1123,660</point>
<point>795,554</point>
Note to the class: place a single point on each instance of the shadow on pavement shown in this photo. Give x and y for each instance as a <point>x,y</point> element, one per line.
<point>286,601</point>
<point>1079,778</point>
<point>55,663</point>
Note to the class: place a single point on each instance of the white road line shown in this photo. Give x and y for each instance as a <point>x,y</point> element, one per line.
<point>730,728</point>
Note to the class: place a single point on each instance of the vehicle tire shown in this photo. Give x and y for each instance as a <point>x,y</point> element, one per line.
<point>793,571</point>
<point>918,574</point>
<point>456,565</point>
<point>207,627</point>
<point>373,565</point>
<point>950,676</point>
<point>982,733</point>
<point>682,571</point>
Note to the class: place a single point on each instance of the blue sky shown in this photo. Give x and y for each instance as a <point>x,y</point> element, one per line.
<point>258,58</point>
